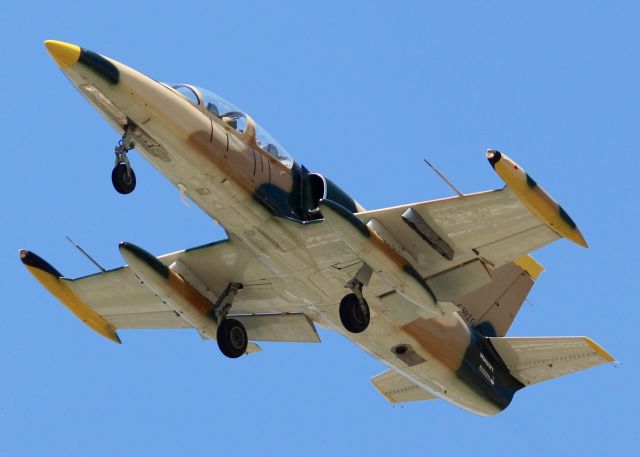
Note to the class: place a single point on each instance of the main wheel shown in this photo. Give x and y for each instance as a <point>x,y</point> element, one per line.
<point>123,182</point>
<point>232,338</point>
<point>354,316</point>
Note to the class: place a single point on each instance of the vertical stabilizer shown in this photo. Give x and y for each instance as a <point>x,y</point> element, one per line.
<point>492,308</point>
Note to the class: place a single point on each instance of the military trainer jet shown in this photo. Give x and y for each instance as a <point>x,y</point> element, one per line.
<point>428,288</point>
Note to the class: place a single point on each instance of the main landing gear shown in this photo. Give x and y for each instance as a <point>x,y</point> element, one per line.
<point>122,176</point>
<point>231,335</point>
<point>354,313</point>
<point>232,338</point>
<point>354,309</point>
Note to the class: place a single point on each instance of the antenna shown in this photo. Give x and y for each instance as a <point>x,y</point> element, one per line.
<point>436,171</point>
<point>85,253</point>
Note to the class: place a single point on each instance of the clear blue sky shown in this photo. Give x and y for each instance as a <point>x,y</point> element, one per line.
<point>360,92</point>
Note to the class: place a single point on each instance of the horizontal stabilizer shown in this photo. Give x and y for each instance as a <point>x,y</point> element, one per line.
<point>537,359</point>
<point>398,389</point>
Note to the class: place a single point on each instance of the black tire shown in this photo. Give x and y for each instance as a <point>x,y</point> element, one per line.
<point>232,338</point>
<point>122,182</point>
<point>353,317</point>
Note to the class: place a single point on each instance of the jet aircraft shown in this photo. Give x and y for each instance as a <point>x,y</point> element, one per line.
<point>428,288</point>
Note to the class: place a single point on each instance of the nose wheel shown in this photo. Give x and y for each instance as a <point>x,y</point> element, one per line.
<point>122,176</point>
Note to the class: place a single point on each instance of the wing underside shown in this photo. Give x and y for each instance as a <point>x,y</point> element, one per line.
<point>494,226</point>
<point>117,299</point>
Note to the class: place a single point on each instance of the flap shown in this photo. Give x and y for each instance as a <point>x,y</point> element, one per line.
<point>452,284</point>
<point>294,327</point>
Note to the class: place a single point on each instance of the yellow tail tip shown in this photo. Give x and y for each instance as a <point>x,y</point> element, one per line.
<point>65,54</point>
<point>530,265</point>
<point>599,350</point>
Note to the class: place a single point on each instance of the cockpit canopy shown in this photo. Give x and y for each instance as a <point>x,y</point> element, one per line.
<point>218,106</point>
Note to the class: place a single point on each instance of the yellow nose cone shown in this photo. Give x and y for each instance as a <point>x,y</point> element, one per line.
<point>65,54</point>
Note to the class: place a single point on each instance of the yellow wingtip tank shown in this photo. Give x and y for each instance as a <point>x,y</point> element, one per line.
<point>65,54</point>
<point>535,198</point>
<point>52,280</point>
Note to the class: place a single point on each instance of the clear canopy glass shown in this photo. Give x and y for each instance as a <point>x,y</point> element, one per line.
<point>187,93</point>
<point>226,110</point>
<point>269,144</point>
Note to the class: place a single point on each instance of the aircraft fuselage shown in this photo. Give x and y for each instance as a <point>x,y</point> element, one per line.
<point>272,209</point>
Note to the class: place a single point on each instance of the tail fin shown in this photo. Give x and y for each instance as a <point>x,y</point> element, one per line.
<point>533,360</point>
<point>492,308</point>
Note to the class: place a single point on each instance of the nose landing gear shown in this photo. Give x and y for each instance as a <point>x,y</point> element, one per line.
<point>122,176</point>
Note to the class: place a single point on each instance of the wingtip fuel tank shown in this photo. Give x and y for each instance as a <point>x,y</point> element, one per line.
<point>53,281</point>
<point>535,198</point>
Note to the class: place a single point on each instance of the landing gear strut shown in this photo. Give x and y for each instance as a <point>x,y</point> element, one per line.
<point>122,176</point>
<point>231,335</point>
<point>354,309</point>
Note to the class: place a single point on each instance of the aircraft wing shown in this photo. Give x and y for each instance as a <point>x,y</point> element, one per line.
<point>120,297</point>
<point>440,234</point>
<point>117,299</point>
<point>497,226</point>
